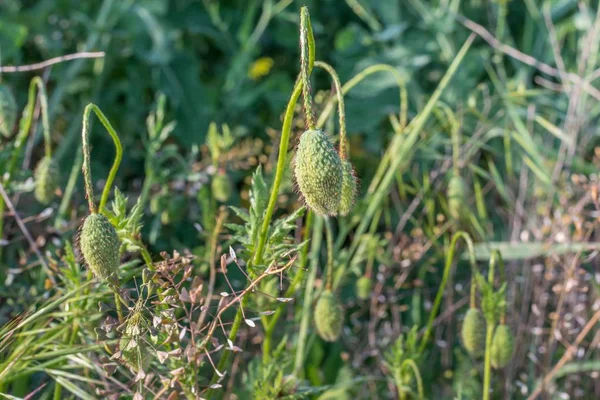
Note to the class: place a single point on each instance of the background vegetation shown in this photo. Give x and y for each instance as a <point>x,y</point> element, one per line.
<point>196,90</point>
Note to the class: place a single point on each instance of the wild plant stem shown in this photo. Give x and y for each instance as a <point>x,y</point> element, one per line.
<point>305,67</point>
<point>329,238</point>
<point>341,108</point>
<point>446,274</point>
<point>225,358</point>
<point>487,371</point>
<point>317,237</point>
<point>87,173</point>
<point>61,215</point>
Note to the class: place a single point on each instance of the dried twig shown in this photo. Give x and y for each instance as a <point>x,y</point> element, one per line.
<point>52,61</point>
<point>567,356</point>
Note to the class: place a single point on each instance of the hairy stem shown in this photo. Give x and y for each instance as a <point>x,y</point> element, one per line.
<point>306,46</point>
<point>341,108</point>
<point>329,238</point>
<point>87,173</point>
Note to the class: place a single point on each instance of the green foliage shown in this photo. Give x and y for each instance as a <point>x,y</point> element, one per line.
<point>278,241</point>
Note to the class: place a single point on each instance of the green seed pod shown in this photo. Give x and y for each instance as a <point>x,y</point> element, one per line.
<point>363,287</point>
<point>348,188</point>
<point>221,187</point>
<point>502,347</point>
<point>99,244</point>
<point>8,111</point>
<point>457,197</point>
<point>46,177</point>
<point>318,171</point>
<point>329,317</point>
<point>473,332</point>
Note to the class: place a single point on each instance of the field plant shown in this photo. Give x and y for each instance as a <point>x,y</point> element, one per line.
<point>245,200</point>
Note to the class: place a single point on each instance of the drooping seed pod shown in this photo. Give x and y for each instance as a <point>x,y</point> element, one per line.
<point>221,187</point>
<point>363,287</point>
<point>318,172</point>
<point>457,197</point>
<point>502,347</point>
<point>8,111</point>
<point>99,244</point>
<point>348,188</point>
<point>46,178</point>
<point>473,332</point>
<point>329,317</point>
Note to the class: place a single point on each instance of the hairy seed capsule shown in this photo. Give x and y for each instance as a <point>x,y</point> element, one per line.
<point>473,332</point>
<point>348,188</point>
<point>318,171</point>
<point>329,317</point>
<point>221,187</point>
<point>100,246</point>
<point>46,177</point>
<point>8,111</point>
<point>502,347</point>
<point>363,287</point>
<point>457,196</point>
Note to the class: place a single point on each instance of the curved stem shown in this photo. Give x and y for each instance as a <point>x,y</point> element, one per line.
<point>341,108</point>
<point>87,173</point>
<point>329,238</point>
<point>415,370</point>
<point>306,44</point>
<point>446,274</point>
<point>473,293</point>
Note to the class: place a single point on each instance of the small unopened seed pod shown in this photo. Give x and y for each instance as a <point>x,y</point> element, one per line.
<point>221,187</point>
<point>99,244</point>
<point>363,287</point>
<point>473,332</point>
<point>457,197</point>
<point>46,177</point>
<point>329,317</point>
<point>348,188</point>
<point>8,111</point>
<point>502,347</point>
<point>318,172</point>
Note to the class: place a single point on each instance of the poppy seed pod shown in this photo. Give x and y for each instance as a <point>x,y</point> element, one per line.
<point>8,111</point>
<point>46,177</point>
<point>363,287</point>
<point>99,244</point>
<point>329,317</point>
<point>473,332</point>
<point>318,171</point>
<point>457,197</point>
<point>348,188</point>
<point>221,187</point>
<point>502,347</point>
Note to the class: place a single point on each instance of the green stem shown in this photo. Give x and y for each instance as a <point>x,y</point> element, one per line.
<point>87,173</point>
<point>283,148</point>
<point>329,238</point>
<point>446,274</point>
<point>299,278</point>
<point>487,371</point>
<point>317,237</point>
<point>306,44</point>
<point>415,370</point>
<point>225,358</point>
<point>341,108</point>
